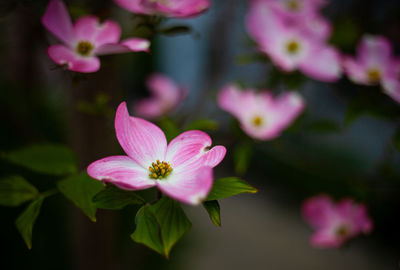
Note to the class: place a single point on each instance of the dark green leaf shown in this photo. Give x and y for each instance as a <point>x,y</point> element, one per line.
<point>15,190</point>
<point>45,158</point>
<point>175,30</point>
<point>27,219</point>
<point>81,189</point>
<point>229,186</point>
<point>169,127</point>
<point>114,198</point>
<point>172,220</point>
<point>147,230</point>
<point>203,124</point>
<point>213,211</point>
<point>323,126</point>
<point>242,157</point>
<point>396,139</point>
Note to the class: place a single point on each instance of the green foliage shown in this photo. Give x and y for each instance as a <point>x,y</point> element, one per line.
<point>27,219</point>
<point>229,186</point>
<point>242,154</point>
<point>44,158</point>
<point>114,198</point>
<point>15,190</point>
<point>345,34</point>
<point>172,225</point>
<point>175,30</point>
<point>81,189</point>
<point>202,124</point>
<point>323,126</point>
<point>99,106</point>
<point>396,139</point>
<point>169,127</point>
<point>213,211</point>
<point>148,230</point>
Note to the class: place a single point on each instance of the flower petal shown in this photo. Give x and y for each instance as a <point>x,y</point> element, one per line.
<point>356,71</point>
<point>374,51</point>
<point>128,45</point>
<point>121,171</point>
<point>326,239</point>
<point>56,19</point>
<point>89,28</point>
<point>322,64</point>
<point>191,187</point>
<point>62,55</point>
<point>318,211</point>
<point>214,156</point>
<point>187,146</point>
<point>143,141</point>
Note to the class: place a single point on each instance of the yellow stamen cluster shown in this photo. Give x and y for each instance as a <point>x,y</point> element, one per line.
<point>342,231</point>
<point>292,47</point>
<point>293,5</point>
<point>160,170</point>
<point>257,121</point>
<point>84,48</point>
<point>374,75</point>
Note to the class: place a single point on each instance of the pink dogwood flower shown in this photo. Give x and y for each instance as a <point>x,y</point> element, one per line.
<point>335,223</point>
<point>373,63</point>
<point>294,9</point>
<point>85,40</point>
<point>166,96</point>
<point>166,8</point>
<point>182,169</point>
<point>294,46</point>
<point>261,115</point>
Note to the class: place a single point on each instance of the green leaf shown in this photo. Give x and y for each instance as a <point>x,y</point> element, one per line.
<point>44,158</point>
<point>396,139</point>
<point>172,220</point>
<point>27,219</point>
<point>213,211</point>
<point>323,126</point>
<point>229,186</point>
<point>81,189</point>
<point>175,30</point>
<point>169,127</point>
<point>203,124</point>
<point>15,190</point>
<point>148,230</point>
<point>242,157</point>
<point>114,198</point>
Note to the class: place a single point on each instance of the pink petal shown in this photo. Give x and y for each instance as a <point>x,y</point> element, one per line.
<point>128,45</point>
<point>215,155</point>
<point>356,71</point>
<point>143,141</point>
<point>322,64</point>
<point>89,28</point>
<point>355,215</point>
<point>149,108</point>
<point>326,239</point>
<point>374,51</point>
<point>134,6</point>
<point>187,146</point>
<point>391,87</point>
<point>121,171</point>
<point>318,211</point>
<point>56,19</point>
<point>62,55</point>
<point>190,187</point>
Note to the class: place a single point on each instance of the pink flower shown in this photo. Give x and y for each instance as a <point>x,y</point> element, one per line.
<point>182,169</point>
<point>85,40</point>
<point>166,8</point>
<point>335,223</point>
<point>294,46</point>
<point>373,63</point>
<point>167,95</point>
<point>261,115</point>
<point>295,9</point>
<point>391,82</point>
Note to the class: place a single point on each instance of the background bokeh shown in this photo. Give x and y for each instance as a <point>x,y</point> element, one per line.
<point>342,145</point>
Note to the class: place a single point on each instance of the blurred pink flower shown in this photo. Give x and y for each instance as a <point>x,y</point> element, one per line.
<point>166,96</point>
<point>295,9</point>
<point>261,115</point>
<point>335,223</point>
<point>375,64</point>
<point>182,169</point>
<point>297,45</point>
<point>166,8</point>
<point>85,40</point>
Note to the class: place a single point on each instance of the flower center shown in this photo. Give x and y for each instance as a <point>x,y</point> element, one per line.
<point>293,5</point>
<point>257,121</point>
<point>342,231</point>
<point>292,47</point>
<point>84,48</point>
<point>160,170</point>
<point>374,75</point>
